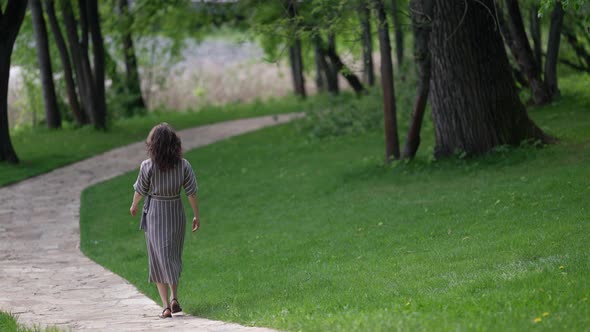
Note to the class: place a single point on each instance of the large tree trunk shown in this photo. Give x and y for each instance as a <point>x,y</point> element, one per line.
<point>524,55</point>
<point>133,83</point>
<point>553,49</point>
<point>535,27</point>
<point>10,23</point>
<point>399,33</point>
<point>98,57</point>
<point>475,104</point>
<point>421,14</point>
<point>367,40</point>
<point>52,115</point>
<point>295,58</point>
<point>390,119</point>
<point>79,115</point>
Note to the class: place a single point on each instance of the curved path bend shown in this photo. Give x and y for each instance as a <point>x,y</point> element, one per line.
<point>44,277</point>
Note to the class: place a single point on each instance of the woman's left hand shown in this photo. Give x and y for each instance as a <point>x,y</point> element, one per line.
<point>133,210</point>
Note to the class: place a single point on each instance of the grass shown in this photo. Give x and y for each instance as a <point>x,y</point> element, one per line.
<point>9,323</point>
<point>318,235</point>
<point>42,150</point>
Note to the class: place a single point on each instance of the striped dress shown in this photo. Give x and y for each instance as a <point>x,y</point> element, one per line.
<point>163,217</point>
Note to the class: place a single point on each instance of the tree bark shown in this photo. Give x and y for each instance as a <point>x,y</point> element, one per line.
<point>133,82</point>
<point>553,49</point>
<point>390,120</point>
<point>421,14</point>
<point>367,40</point>
<point>340,67</point>
<point>79,115</point>
<point>295,58</point>
<point>475,104</point>
<point>333,68</point>
<point>52,116</point>
<point>535,27</point>
<point>320,66</point>
<point>581,52</point>
<point>399,33</point>
<point>80,60</point>
<point>98,57</point>
<point>521,50</point>
<point>10,22</point>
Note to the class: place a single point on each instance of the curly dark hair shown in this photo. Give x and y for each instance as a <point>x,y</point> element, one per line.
<point>164,147</point>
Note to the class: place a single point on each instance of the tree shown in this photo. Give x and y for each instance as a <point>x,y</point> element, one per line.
<point>91,86</point>
<point>475,104</point>
<point>11,20</point>
<point>79,115</point>
<point>535,28</point>
<point>98,57</point>
<point>295,58</point>
<point>52,115</point>
<point>132,81</point>
<point>553,49</point>
<point>521,50</point>
<point>421,14</point>
<point>390,119</point>
<point>367,40</point>
<point>337,66</point>
<point>399,34</point>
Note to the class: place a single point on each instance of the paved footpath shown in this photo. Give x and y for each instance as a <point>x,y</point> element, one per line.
<point>46,280</point>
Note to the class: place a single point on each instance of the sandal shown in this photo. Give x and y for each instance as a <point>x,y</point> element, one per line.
<point>175,306</point>
<point>166,315</point>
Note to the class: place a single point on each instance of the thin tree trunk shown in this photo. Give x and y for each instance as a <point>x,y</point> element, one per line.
<point>553,49</point>
<point>10,22</point>
<point>133,82</point>
<point>390,119</point>
<point>421,14</point>
<point>98,57</point>
<point>295,58</point>
<point>79,116</point>
<point>333,69</point>
<point>399,33</point>
<point>581,52</point>
<point>482,109</point>
<point>367,40</point>
<point>320,66</point>
<point>340,67</point>
<point>536,34</point>
<point>52,115</point>
<point>80,60</point>
<point>521,50</point>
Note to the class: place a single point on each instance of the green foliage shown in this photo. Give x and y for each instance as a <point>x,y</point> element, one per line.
<point>319,236</point>
<point>346,115</point>
<point>42,150</point>
<point>9,323</point>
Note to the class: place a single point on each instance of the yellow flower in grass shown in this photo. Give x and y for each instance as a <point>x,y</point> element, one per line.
<point>545,314</point>
<point>537,320</point>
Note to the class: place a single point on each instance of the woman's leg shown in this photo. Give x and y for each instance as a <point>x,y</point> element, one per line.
<point>174,289</point>
<point>163,290</point>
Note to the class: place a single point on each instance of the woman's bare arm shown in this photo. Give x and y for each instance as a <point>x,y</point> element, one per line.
<point>194,201</point>
<point>136,198</point>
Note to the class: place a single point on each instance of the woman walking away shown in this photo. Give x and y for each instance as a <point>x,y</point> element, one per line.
<point>160,180</point>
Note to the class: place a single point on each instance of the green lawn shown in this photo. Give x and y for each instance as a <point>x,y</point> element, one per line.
<point>9,323</point>
<point>318,235</point>
<point>42,150</point>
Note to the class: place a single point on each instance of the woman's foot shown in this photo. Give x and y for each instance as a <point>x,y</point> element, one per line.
<point>167,313</point>
<point>175,306</point>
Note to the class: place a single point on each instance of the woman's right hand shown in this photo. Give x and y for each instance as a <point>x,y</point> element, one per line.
<point>196,224</point>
